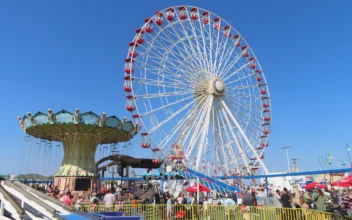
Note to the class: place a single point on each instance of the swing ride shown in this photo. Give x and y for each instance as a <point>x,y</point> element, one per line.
<point>80,134</point>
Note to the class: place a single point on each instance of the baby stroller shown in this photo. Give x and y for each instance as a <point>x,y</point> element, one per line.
<point>334,208</point>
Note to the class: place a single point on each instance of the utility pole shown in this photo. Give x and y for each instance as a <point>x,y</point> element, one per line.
<point>295,162</point>
<point>288,160</point>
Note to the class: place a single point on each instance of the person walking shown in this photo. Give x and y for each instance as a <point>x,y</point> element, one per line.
<point>320,202</point>
<point>277,195</point>
<point>109,199</point>
<point>134,206</point>
<point>168,207</point>
<point>247,199</point>
<point>205,208</point>
<point>286,199</point>
<point>306,197</point>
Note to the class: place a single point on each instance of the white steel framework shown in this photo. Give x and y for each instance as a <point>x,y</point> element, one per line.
<point>193,83</point>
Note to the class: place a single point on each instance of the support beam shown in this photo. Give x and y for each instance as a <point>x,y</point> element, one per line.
<point>240,150</point>
<point>205,131</point>
<point>346,170</point>
<point>234,120</point>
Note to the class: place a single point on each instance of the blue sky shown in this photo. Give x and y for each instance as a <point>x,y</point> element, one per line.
<point>68,54</point>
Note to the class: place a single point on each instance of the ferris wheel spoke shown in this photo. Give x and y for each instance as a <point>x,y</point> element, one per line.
<point>203,49</point>
<point>160,83</point>
<point>166,106</point>
<point>228,55</point>
<point>161,42</point>
<point>229,67</point>
<point>177,68</point>
<point>249,121</point>
<point>205,32</point>
<point>242,87</point>
<point>246,127</point>
<point>244,136</point>
<point>253,122</point>
<point>170,117</point>
<point>236,71</point>
<point>165,94</point>
<point>200,59</point>
<point>164,72</point>
<point>229,155</point>
<point>173,53</point>
<point>203,41</point>
<point>190,58</point>
<point>186,120</point>
<point>185,29</point>
<point>237,101</point>
<point>235,138</point>
<point>205,131</point>
<point>191,123</point>
<point>197,129</point>
<point>240,79</point>
<point>223,49</point>
<point>216,140</point>
<point>243,96</point>
<point>216,52</point>
<point>185,49</point>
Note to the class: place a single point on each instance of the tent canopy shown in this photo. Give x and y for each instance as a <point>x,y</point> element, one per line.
<point>197,187</point>
<point>345,182</point>
<point>313,185</point>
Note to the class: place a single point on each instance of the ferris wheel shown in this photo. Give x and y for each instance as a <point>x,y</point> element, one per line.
<point>195,87</point>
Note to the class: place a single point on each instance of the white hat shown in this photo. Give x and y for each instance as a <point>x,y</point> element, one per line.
<point>49,109</point>
<point>76,109</point>
<point>103,113</point>
<point>28,113</point>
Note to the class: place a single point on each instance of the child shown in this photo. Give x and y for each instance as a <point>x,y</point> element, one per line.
<point>134,206</point>
<point>205,207</point>
<point>168,207</point>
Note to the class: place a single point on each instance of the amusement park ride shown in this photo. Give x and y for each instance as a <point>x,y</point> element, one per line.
<point>198,97</point>
<point>193,83</point>
<point>80,135</point>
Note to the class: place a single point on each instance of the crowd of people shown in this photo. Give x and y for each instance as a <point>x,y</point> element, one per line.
<point>317,199</point>
<point>324,200</point>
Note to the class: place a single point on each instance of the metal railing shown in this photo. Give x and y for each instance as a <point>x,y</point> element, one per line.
<point>211,212</point>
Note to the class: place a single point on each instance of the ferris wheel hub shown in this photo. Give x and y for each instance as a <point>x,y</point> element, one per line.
<point>217,87</point>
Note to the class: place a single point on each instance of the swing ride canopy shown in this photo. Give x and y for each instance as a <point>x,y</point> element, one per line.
<point>113,129</point>
<point>80,135</point>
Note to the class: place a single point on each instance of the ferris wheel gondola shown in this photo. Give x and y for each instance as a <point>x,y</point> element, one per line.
<point>191,80</point>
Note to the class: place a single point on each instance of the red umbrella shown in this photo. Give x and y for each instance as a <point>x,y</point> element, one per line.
<point>313,185</point>
<point>345,182</point>
<point>195,188</point>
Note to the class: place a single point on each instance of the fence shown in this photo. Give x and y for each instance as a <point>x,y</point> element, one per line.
<point>210,212</point>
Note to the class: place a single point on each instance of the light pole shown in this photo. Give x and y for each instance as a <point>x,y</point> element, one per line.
<point>328,159</point>
<point>295,162</point>
<point>342,163</point>
<point>348,149</point>
<point>288,160</point>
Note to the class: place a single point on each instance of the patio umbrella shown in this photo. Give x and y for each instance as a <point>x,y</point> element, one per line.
<point>195,188</point>
<point>313,185</point>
